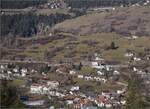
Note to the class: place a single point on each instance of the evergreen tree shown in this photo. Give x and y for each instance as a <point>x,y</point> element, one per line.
<point>134,98</point>
<point>113,45</point>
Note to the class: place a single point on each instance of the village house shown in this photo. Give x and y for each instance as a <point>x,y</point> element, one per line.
<point>43,88</point>
<point>96,65</point>
<point>80,76</point>
<point>72,72</point>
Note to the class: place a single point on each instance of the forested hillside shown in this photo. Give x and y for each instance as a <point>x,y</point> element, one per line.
<point>27,25</point>
<point>13,4</point>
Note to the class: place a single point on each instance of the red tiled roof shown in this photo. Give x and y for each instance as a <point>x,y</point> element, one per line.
<point>84,101</point>
<point>45,78</point>
<point>104,100</point>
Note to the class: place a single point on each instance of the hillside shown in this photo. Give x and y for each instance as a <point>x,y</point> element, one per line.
<point>124,21</point>
<point>90,33</point>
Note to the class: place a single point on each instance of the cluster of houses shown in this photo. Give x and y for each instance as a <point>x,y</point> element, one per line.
<point>78,100</point>
<point>90,78</point>
<point>43,88</point>
<point>9,73</point>
<point>105,100</point>
<point>72,95</point>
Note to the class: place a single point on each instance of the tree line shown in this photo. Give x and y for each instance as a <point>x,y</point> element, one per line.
<point>26,25</point>
<point>19,4</point>
<point>9,97</point>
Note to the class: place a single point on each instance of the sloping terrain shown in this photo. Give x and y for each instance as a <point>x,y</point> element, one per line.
<point>124,21</point>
